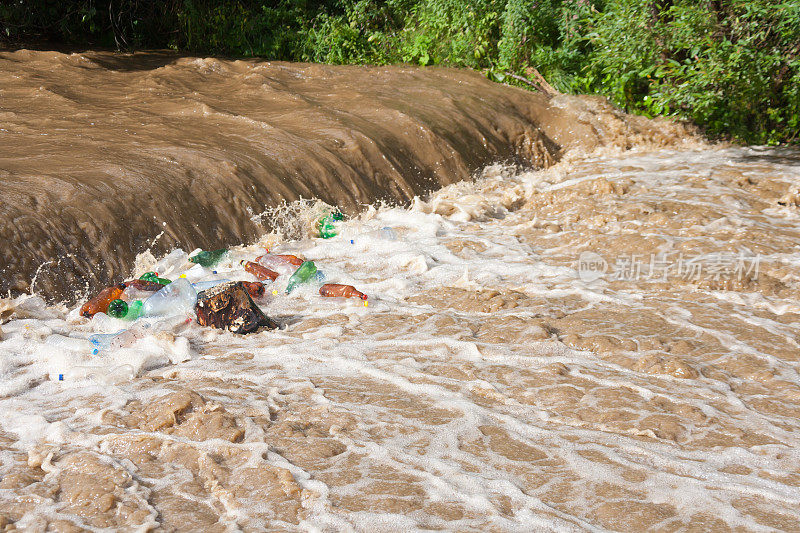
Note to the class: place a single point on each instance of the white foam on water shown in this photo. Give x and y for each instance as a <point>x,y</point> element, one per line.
<point>439,416</point>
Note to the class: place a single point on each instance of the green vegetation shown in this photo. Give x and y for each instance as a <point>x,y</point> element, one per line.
<point>731,66</point>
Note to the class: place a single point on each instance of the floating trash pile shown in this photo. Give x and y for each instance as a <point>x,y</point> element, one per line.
<point>212,288</point>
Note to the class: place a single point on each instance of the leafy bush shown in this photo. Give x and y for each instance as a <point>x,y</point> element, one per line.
<point>730,66</point>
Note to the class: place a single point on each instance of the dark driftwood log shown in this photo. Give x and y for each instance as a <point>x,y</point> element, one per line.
<point>229,306</point>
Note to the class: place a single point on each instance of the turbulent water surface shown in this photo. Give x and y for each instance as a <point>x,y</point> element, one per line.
<point>103,152</point>
<point>607,344</point>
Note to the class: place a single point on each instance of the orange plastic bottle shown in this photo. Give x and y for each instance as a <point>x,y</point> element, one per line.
<point>335,290</point>
<point>259,271</point>
<point>254,288</point>
<point>99,304</point>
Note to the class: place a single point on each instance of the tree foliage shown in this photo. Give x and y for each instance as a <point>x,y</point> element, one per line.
<point>732,66</point>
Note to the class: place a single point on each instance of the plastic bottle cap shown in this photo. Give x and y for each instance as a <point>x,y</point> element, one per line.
<point>351,241</point>
<point>366,303</point>
<point>61,377</point>
<point>182,276</point>
<point>213,271</point>
<point>275,292</point>
<point>95,351</point>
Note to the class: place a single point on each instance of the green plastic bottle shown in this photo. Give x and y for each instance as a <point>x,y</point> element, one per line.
<point>303,273</point>
<point>117,308</point>
<point>209,258</point>
<point>326,226</point>
<point>153,277</point>
<point>121,309</point>
<point>149,276</point>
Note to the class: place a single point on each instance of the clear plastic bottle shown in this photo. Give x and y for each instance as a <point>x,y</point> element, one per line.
<point>132,293</point>
<point>121,339</point>
<point>385,234</point>
<point>282,264</point>
<point>177,297</point>
<point>100,341</point>
<point>201,286</point>
<point>73,344</point>
<point>146,285</point>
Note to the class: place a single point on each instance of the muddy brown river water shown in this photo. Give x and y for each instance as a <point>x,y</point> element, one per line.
<point>610,343</point>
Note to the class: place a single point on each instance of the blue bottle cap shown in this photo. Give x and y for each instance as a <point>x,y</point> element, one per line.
<point>61,377</point>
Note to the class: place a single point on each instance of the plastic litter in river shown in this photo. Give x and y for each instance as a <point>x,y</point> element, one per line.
<point>177,297</point>
<point>209,258</point>
<point>326,226</point>
<point>306,271</point>
<point>152,297</point>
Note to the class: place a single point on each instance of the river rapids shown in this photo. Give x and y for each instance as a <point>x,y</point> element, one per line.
<point>580,321</point>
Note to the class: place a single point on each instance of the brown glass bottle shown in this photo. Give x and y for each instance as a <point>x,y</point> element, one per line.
<point>99,304</point>
<point>335,290</point>
<point>259,271</point>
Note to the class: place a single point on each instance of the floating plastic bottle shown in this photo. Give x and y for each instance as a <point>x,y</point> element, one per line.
<point>201,286</point>
<point>259,271</point>
<point>388,234</point>
<point>121,339</point>
<point>99,304</point>
<point>385,234</point>
<point>152,277</point>
<point>209,258</point>
<point>177,297</point>
<point>122,310</point>
<point>282,264</point>
<point>131,294</point>
<point>100,341</point>
<point>117,308</point>
<point>336,290</point>
<point>307,271</point>
<point>67,343</point>
<point>146,284</point>
<point>326,226</point>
